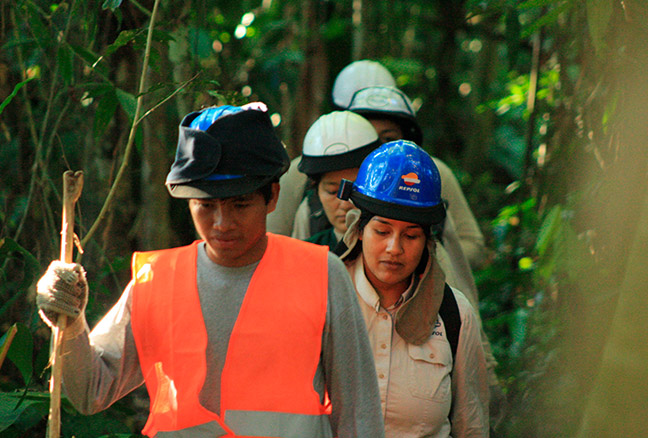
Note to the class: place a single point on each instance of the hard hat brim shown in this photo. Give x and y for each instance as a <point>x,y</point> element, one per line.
<point>317,165</point>
<point>417,215</point>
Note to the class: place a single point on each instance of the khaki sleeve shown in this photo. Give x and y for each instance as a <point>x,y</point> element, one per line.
<point>293,184</point>
<point>301,228</point>
<point>101,366</point>
<point>470,236</point>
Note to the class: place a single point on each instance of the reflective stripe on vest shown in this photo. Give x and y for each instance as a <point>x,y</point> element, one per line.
<point>273,352</point>
<point>258,424</point>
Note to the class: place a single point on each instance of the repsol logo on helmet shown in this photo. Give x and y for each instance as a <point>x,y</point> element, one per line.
<point>410,180</point>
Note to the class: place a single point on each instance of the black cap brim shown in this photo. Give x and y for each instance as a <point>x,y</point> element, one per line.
<point>219,189</point>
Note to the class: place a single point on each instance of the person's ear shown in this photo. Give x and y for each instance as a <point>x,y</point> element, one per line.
<point>272,202</point>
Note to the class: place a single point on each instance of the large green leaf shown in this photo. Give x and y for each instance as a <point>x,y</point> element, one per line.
<point>21,352</point>
<point>12,405</point>
<point>127,101</point>
<point>66,64</point>
<point>105,113</point>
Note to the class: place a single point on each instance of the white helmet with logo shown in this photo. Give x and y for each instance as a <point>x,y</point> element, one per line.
<point>336,141</point>
<point>389,103</point>
<point>358,75</point>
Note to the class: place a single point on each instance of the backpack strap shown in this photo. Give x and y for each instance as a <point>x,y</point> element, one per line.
<point>449,312</point>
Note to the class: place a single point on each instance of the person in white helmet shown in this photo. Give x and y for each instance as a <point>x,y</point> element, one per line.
<point>334,148</point>
<point>353,77</point>
<point>356,76</point>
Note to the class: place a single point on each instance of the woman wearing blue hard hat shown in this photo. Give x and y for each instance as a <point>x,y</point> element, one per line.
<point>424,334</point>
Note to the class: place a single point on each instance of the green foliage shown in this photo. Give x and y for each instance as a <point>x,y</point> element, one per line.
<point>8,99</point>
<point>18,271</point>
<point>22,351</point>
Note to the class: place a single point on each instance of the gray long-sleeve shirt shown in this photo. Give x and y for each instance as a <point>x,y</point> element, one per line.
<point>106,365</point>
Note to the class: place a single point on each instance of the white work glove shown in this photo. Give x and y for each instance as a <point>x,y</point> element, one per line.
<point>63,289</point>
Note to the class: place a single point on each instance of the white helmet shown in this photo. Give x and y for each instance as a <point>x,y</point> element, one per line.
<point>390,103</point>
<point>336,141</point>
<point>358,75</point>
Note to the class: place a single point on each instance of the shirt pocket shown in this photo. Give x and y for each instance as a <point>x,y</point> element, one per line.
<point>430,365</point>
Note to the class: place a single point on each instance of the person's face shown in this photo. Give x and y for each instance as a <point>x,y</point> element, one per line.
<point>234,228</point>
<point>391,250</point>
<point>335,208</point>
<point>387,130</point>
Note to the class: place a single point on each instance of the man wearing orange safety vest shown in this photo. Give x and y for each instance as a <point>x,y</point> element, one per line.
<point>240,334</point>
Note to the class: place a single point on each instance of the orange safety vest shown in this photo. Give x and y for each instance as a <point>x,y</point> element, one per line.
<point>273,352</point>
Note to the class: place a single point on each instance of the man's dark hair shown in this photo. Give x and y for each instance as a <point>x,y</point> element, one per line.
<point>266,190</point>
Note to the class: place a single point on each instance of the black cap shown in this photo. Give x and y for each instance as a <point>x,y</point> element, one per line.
<point>237,154</point>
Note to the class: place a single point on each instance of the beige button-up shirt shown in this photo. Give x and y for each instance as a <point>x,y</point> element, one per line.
<point>417,390</point>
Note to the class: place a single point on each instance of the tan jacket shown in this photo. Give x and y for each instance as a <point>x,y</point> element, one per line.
<point>414,362</point>
<point>456,271</point>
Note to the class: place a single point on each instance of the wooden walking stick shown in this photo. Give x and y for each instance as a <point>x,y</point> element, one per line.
<point>72,185</point>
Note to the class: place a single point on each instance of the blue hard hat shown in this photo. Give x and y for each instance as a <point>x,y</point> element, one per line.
<point>226,151</point>
<point>399,180</point>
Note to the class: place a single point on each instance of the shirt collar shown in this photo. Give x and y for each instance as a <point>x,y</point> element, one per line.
<point>367,291</point>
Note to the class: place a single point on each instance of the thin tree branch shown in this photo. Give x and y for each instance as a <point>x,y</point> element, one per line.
<point>163,101</point>
<point>131,135</point>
